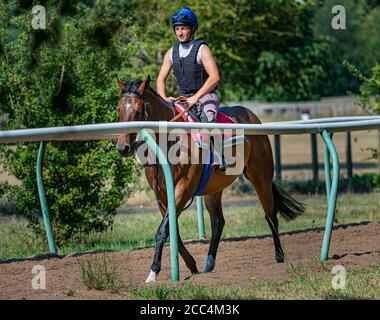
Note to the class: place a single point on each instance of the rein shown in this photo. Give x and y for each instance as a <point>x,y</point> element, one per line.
<point>181,113</point>
<point>147,106</point>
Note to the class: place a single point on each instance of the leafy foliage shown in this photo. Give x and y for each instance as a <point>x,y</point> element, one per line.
<point>264,49</point>
<point>369,98</point>
<point>359,43</point>
<point>64,75</point>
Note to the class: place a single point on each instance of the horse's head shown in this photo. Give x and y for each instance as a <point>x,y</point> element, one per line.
<point>133,106</point>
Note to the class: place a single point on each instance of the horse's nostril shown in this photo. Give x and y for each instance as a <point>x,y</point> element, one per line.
<point>123,149</point>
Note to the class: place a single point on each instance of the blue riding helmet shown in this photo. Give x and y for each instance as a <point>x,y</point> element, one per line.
<point>184,16</point>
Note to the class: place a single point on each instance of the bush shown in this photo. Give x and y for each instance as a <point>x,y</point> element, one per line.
<point>60,76</point>
<point>369,98</point>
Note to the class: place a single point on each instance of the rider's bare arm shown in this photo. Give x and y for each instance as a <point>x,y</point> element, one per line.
<point>212,71</point>
<point>163,75</point>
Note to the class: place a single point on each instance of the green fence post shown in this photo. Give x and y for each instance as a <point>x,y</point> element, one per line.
<point>44,206</point>
<point>326,157</point>
<point>201,222</point>
<point>171,202</point>
<point>331,193</point>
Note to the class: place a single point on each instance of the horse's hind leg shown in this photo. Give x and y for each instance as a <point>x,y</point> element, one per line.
<point>214,206</point>
<point>265,194</point>
<point>273,225</point>
<point>259,172</point>
<point>186,256</point>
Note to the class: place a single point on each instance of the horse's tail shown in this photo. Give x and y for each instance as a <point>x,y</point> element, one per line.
<point>288,207</point>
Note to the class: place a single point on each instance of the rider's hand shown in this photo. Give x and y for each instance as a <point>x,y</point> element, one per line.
<point>192,100</point>
<point>169,99</point>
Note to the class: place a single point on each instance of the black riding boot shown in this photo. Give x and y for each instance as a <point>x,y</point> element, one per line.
<point>216,166</point>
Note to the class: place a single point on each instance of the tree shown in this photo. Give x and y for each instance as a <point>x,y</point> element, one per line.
<point>369,95</point>
<point>264,49</point>
<point>64,75</point>
<point>359,43</point>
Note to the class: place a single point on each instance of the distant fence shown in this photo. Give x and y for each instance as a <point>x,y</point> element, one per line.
<point>325,107</point>
<point>314,166</point>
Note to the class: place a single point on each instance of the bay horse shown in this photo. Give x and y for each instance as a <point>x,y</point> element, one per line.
<point>139,102</point>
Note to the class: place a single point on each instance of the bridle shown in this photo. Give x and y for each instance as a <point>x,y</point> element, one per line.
<point>146,107</point>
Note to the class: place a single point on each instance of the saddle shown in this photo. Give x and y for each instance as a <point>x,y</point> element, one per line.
<point>196,114</point>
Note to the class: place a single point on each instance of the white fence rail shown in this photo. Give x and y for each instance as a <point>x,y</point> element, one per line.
<point>105,130</point>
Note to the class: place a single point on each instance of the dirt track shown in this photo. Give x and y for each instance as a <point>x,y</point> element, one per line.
<point>353,246</point>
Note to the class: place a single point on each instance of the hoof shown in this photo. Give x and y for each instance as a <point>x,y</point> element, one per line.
<point>152,277</point>
<point>280,258</point>
<point>195,272</point>
<point>209,264</point>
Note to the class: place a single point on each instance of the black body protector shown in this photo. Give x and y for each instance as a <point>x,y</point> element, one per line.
<point>190,75</point>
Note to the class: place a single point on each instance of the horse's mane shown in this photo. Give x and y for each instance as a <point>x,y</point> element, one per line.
<point>133,85</point>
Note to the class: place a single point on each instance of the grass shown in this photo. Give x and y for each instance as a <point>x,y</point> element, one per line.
<point>311,281</point>
<point>68,292</point>
<point>306,283</point>
<point>138,230</point>
<point>101,273</point>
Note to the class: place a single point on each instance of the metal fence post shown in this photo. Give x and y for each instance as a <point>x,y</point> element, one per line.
<point>43,202</point>
<point>332,192</point>
<point>201,223</point>
<point>171,202</point>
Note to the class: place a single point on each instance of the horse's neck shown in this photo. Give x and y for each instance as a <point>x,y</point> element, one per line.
<point>159,111</point>
<point>162,112</point>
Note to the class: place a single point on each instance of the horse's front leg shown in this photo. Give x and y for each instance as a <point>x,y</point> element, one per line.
<point>161,236</point>
<point>182,195</point>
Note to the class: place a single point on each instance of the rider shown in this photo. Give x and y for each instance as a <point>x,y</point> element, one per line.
<point>194,67</point>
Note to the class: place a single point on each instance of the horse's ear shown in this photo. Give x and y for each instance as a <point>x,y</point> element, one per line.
<point>144,85</point>
<point>120,83</point>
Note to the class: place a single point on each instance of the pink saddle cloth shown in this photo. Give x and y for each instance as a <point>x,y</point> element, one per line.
<point>223,118</point>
